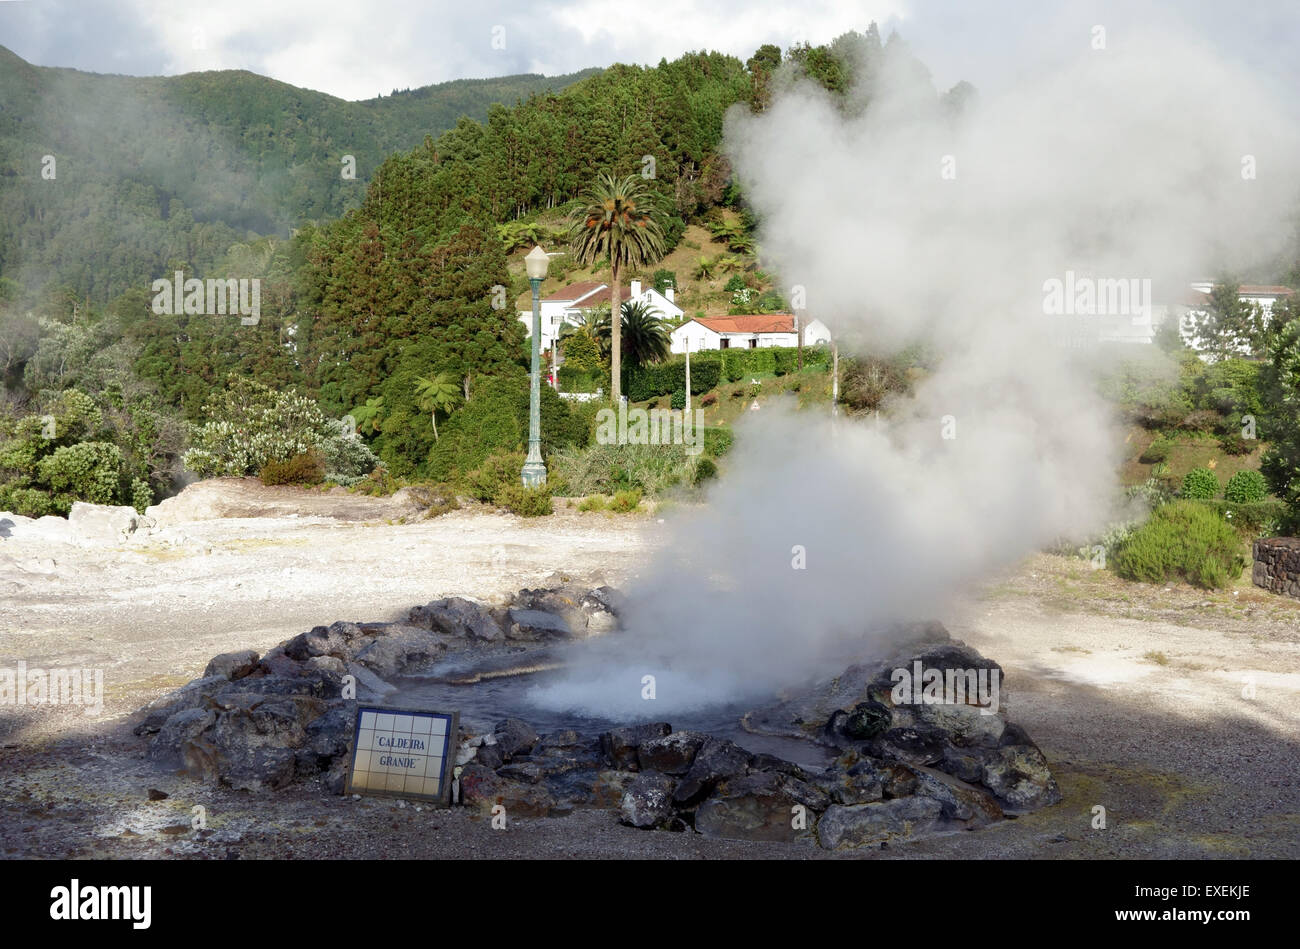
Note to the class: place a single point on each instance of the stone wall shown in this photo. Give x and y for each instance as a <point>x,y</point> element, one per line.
<point>1277,565</point>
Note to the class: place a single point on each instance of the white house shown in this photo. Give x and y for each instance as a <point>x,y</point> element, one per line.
<point>1193,307</point>
<point>753,331</point>
<point>568,304</point>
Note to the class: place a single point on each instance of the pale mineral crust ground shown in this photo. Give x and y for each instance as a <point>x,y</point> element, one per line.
<point>1176,710</point>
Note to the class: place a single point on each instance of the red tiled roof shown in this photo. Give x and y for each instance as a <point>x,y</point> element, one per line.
<point>1259,291</point>
<point>753,323</point>
<point>575,291</point>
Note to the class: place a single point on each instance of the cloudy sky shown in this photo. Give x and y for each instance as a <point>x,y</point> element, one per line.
<point>357,49</point>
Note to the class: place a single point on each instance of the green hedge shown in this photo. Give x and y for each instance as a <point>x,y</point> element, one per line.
<point>1250,518</point>
<point>576,380</point>
<point>710,368</point>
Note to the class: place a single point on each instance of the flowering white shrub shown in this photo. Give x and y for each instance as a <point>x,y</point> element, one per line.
<point>249,425</point>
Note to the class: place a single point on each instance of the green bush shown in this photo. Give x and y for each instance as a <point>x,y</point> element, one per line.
<point>1246,487</point>
<point>679,399</point>
<point>578,380</point>
<point>1237,444</point>
<point>495,420</point>
<point>581,354</point>
<point>762,360</point>
<point>1200,484</point>
<point>705,470</point>
<point>306,468</point>
<point>1183,540</point>
<point>29,502</point>
<point>141,495</point>
<point>526,502</point>
<point>86,471</point>
<point>718,441</point>
<point>497,471</point>
<point>1252,520</point>
<point>596,502</point>
<point>1156,452</point>
<point>625,502</point>
<point>604,469</point>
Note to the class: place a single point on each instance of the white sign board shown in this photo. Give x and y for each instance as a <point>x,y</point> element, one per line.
<point>400,752</point>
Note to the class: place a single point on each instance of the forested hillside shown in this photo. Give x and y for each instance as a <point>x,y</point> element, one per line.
<point>147,171</point>
<point>390,311</point>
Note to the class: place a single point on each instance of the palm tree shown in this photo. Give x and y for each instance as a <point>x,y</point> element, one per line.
<point>617,222</point>
<point>439,393</point>
<point>644,337</point>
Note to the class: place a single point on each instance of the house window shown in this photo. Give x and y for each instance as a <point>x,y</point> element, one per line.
<point>753,342</point>
<point>726,343</point>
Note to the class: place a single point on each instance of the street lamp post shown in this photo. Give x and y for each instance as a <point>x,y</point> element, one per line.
<point>534,473</point>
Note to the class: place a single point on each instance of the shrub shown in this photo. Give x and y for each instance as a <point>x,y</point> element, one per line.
<point>1246,487</point>
<point>1258,519</point>
<point>577,380</point>
<point>737,282</point>
<point>141,495</point>
<point>86,471</point>
<point>526,502</point>
<point>1202,420</point>
<point>604,469</point>
<point>679,399</point>
<point>497,471</point>
<point>305,468</point>
<point>718,441</point>
<point>595,502</point>
<point>248,425</point>
<point>625,502</point>
<point>438,499</point>
<point>346,457</point>
<point>705,470</point>
<point>377,484</point>
<point>710,398</point>
<point>495,420</point>
<point>1182,540</point>
<point>29,502</point>
<point>1237,444</point>
<point>1200,483</point>
<point>1156,452</point>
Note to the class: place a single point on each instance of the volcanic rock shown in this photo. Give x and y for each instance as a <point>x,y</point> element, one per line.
<point>648,800</point>
<point>866,825</point>
<point>233,665</point>
<point>536,624</point>
<point>717,760</point>
<point>671,754</point>
<point>514,737</point>
<point>761,806</point>
<point>482,789</point>
<point>620,744</point>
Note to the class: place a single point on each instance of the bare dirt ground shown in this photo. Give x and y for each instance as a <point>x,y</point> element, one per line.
<point>1176,711</point>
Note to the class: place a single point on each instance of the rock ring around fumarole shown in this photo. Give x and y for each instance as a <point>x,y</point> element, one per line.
<point>903,769</point>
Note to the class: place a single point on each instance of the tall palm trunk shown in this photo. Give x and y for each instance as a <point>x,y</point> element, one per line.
<point>615,336</point>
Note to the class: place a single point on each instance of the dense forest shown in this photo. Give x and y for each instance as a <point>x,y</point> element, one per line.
<point>384,291</point>
<point>143,171</point>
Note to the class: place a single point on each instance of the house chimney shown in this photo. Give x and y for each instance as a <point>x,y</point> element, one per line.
<point>669,292</point>
<point>636,289</point>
